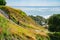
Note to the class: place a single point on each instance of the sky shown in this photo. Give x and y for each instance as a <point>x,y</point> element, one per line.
<point>33,2</point>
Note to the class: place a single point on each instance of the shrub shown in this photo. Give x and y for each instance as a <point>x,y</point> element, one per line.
<point>55,36</point>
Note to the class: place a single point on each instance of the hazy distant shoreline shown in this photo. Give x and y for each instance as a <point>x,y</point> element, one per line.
<point>38,6</point>
<point>44,11</point>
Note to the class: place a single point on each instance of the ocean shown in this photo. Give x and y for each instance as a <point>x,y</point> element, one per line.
<point>44,11</point>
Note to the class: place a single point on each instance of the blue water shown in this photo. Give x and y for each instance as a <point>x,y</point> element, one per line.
<point>44,11</point>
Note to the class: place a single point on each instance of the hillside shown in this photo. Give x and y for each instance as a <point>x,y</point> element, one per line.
<point>16,25</point>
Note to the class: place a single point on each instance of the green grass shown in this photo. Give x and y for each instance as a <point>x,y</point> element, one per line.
<point>22,27</point>
<point>5,33</point>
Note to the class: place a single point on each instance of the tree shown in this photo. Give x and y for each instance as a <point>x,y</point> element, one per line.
<point>2,2</point>
<point>38,19</point>
<point>54,23</point>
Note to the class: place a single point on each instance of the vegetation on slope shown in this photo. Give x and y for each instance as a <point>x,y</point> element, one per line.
<point>38,19</point>
<point>19,26</point>
<point>9,28</point>
<point>19,17</point>
<point>54,36</point>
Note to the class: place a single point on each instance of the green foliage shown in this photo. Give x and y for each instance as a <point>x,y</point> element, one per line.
<point>2,2</point>
<point>55,36</point>
<point>4,31</point>
<point>38,37</point>
<point>54,23</point>
<point>22,13</point>
<point>4,27</point>
<point>38,19</point>
<point>13,19</point>
<point>17,16</point>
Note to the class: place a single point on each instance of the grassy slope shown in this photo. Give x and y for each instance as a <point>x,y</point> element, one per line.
<point>24,26</point>
<point>13,28</point>
<point>21,17</point>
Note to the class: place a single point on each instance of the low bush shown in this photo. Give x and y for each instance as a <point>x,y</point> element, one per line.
<point>54,36</point>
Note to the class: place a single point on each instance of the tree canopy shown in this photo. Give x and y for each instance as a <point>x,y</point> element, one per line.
<point>2,2</point>
<point>54,23</point>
